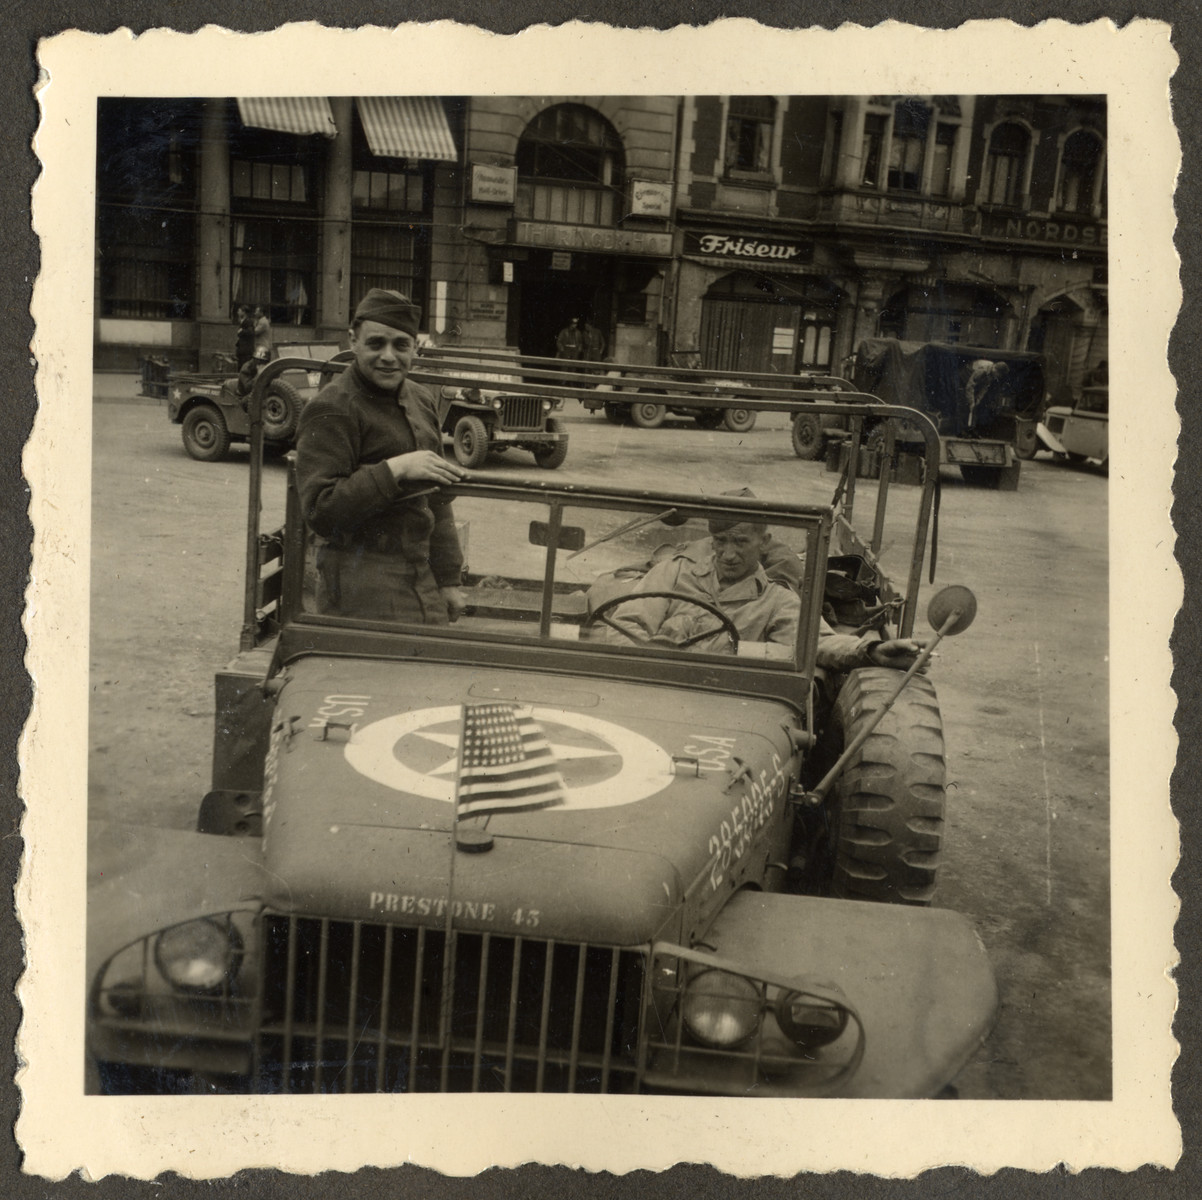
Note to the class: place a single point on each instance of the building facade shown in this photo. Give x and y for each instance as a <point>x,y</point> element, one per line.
<point>747,232</point>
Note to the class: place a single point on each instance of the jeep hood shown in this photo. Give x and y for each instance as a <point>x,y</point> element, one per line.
<point>360,780</point>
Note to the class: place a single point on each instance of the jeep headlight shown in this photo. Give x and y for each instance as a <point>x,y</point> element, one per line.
<point>547,406</point>
<point>199,956</point>
<point>810,1021</point>
<point>497,403</point>
<point>721,1009</point>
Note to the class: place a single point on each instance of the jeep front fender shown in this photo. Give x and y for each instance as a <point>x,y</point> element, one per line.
<point>918,977</point>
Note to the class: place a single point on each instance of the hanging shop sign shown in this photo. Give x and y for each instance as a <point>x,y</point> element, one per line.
<point>749,246</point>
<point>650,199</point>
<point>589,238</point>
<point>494,185</point>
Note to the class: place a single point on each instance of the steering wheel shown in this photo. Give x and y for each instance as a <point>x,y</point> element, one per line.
<point>726,625</point>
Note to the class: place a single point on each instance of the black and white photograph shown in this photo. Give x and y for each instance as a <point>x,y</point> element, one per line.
<point>613,595</point>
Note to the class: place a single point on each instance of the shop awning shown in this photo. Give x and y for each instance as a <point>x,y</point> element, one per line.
<point>407,127</point>
<point>288,114</point>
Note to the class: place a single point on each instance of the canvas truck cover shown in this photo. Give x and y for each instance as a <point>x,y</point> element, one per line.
<point>931,377</point>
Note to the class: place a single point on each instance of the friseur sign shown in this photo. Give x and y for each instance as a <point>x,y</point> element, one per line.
<point>588,238</point>
<point>742,245</point>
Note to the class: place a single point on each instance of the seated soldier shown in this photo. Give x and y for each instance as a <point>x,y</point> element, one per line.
<point>726,571</point>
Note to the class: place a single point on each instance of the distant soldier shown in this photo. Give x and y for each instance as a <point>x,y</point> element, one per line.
<point>570,342</point>
<point>593,340</point>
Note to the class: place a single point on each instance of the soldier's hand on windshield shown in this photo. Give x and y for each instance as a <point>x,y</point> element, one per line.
<point>455,600</point>
<point>899,653</point>
<point>424,465</point>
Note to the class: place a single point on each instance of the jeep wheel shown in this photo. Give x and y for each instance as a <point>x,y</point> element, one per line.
<point>739,420</point>
<point>471,442</point>
<point>807,436</point>
<point>281,411</point>
<point>552,456</point>
<point>206,437</point>
<point>888,804</point>
<point>646,415</point>
<point>708,418</point>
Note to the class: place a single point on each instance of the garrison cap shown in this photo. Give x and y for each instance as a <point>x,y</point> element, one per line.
<point>722,524</point>
<point>393,309</point>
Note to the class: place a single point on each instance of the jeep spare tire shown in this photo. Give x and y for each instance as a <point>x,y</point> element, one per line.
<point>887,818</point>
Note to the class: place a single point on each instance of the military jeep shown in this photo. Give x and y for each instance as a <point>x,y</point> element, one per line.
<point>684,915</point>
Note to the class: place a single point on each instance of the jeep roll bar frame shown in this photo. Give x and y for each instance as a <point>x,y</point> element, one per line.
<point>702,389</point>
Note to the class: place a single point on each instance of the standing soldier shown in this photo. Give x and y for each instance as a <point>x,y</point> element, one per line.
<point>368,466</point>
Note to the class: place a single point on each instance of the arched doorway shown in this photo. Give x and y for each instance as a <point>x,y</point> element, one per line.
<point>571,171</point>
<point>782,323</point>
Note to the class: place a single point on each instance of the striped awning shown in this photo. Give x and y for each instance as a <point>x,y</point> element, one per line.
<point>288,114</point>
<point>407,127</point>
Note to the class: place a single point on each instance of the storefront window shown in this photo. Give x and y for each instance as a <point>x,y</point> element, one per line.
<point>273,265</point>
<point>749,125</point>
<point>386,256</point>
<point>570,167</point>
<point>146,207</point>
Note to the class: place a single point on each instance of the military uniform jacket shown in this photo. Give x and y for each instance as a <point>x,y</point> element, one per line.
<point>347,492</point>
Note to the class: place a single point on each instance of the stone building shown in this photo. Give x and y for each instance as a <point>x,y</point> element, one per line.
<point>752,232</point>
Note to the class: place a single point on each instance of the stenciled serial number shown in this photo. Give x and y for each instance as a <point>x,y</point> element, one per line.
<point>749,814</point>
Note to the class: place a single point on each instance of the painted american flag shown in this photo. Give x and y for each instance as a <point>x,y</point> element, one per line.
<point>505,761</point>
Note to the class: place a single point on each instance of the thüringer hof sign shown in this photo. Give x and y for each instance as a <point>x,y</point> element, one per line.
<point>748,246</point>
<point>590,238</point>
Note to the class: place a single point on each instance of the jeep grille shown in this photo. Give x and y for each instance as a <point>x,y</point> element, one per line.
<point>356,1007</point>
<point>522,412</point>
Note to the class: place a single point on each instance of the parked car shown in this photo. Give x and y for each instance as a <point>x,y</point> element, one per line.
<point>1079,432</point>
<point>682,910</point>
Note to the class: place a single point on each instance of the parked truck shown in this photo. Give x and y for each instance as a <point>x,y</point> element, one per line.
<point>984,402</point>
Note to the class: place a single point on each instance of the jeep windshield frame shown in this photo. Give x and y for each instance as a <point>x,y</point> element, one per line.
<point>553,636</point>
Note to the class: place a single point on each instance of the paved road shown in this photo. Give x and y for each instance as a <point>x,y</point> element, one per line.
<point>1024,692</point>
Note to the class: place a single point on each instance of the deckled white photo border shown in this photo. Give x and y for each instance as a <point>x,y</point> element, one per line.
<point>61,1130</point>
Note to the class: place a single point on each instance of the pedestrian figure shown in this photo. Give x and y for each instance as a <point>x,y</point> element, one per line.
<point>244,343</point>
<point>262,334</point>
<point>592,342</point>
